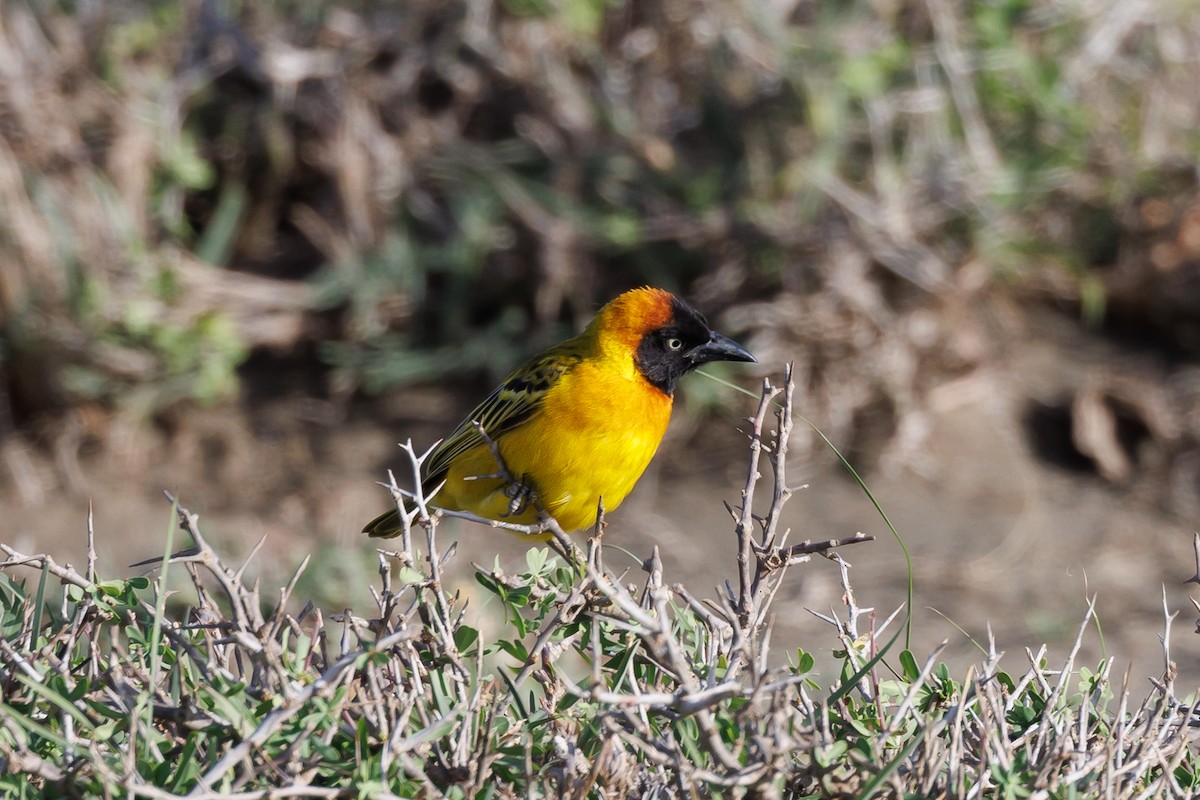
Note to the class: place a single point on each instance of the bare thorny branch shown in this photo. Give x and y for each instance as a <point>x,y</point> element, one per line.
<point>762,562</point>
<point>688,661</point>
<point>241,641</point>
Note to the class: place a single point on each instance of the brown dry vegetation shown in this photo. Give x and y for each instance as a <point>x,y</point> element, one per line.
<point>851,180</point>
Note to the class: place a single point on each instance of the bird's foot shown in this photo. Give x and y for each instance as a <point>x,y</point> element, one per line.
<point>521,495</point>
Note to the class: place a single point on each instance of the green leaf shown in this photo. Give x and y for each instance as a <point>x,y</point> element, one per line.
<point>465,637</point>
<point>112,588</point>
<point>535,559</point>
<point>409,576</point>
<point>515,649</point>
<point>486,582</point>
<point>827,756</point>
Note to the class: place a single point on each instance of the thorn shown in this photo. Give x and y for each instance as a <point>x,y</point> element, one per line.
<point>1196,549</point>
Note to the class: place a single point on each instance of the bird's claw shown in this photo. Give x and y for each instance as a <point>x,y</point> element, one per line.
<point>520,495</point>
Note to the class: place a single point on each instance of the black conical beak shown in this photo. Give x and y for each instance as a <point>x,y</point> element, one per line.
<point>719,348</point>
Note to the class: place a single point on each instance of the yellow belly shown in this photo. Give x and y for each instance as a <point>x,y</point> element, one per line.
<point>592,439</point>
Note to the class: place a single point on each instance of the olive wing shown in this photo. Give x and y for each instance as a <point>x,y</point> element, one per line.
<point>510,404</point>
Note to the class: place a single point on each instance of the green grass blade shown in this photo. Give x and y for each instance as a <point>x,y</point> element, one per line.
<point>36,728</point>
<point>39,606</point>
<point>146,697</point>
<point>52,697</point>
<point>866,490</point>
<point>160,605</point>
<point>885,773</point>
<point>886,521</point>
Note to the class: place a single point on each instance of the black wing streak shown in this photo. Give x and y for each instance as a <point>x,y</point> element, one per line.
<point>510,404</point>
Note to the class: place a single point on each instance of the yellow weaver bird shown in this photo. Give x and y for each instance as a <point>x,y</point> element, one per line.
<point>576,424</point>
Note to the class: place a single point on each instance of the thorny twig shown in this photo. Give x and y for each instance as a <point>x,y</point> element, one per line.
<point>437,719</point>
<point>761,565</point>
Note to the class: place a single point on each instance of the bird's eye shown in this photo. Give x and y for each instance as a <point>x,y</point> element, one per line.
<point>674,343</point>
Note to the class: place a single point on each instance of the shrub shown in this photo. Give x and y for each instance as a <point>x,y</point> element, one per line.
<point>594,687</point>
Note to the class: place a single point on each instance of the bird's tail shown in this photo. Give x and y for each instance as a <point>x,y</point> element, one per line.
<point>385,526</point>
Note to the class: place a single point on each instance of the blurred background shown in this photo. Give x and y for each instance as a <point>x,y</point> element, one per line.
<point>246,248</point>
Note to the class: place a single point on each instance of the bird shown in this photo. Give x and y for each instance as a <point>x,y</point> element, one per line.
<point>575,425</point>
